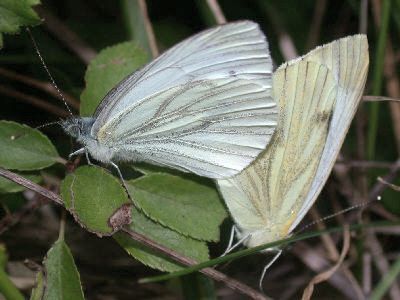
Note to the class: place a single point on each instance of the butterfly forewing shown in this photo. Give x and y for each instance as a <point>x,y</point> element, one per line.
<point>265,195</point>
<point>203,106</point>
<point>210,135</point>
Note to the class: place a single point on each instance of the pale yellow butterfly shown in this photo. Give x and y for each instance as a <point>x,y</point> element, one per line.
<point>318,95</point>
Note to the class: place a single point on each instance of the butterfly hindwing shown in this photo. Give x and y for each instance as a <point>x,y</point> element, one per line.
<point>270,197</point>
<point>348,60</point>
<point>279,179</point>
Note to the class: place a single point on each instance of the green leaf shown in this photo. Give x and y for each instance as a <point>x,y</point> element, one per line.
<point>12,201</point>
<point>189,207</point>
<point>7,288</point>
<point>108,68</point>
<point>62,277</point>
<point>24,148</point>
<point>14,14</point>
<point>38,290</point>
<point>141,224</point>
<point>96,197</point>
<point>7,186</point>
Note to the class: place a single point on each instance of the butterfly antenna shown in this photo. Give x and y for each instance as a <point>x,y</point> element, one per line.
<point>357,206</point>
<point>53,82</point>
<point>48,124</point>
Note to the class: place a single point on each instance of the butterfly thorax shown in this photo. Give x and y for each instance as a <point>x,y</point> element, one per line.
<point>80,129</point>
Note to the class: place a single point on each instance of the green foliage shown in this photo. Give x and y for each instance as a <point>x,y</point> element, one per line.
<point>386,281</point>
<point>14,14</point>
<point>109,67</point>
<point>7,287</point>
<point>199,213</point>
<point>38,290</point>
<point>164,236</point>
<point>196,286</point>
<point>135,24</point>
<point>93,195</point>
<point>62,277</point>
<point>24,148</point>
<point>378,78</point>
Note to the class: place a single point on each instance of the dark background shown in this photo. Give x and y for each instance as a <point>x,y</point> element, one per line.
<point>106,271</point>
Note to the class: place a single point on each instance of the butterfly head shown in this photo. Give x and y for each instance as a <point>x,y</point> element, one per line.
<point>77,127</point>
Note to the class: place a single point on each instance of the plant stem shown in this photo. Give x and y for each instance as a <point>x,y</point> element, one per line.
<point>8,289</point>
<point>377,80</point>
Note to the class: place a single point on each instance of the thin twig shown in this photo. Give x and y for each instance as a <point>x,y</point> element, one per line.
<point>286,44</point>
<point>369,98</point>
<point>230,282</point>
<point>45,105</point>
<point>318,263</point>
<point>31,186</point>
<point>393,90</point>
<point>69,38</point>
<point>42,85</point>
<point>149,28</point>
<point>216,11</point>
<point>367,164</point>
<point>325,275</point>
<point>379,187</point>
<point>391,185</point>
<point>315,27</point>
<point>366,273</point>
<point>333,253</point>
<point>363,26</point>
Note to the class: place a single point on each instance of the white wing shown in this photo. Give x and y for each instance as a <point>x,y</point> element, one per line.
<point>207,97</point>
<point>266,196</point>
<point>270,204</point>
<point>348,60</point>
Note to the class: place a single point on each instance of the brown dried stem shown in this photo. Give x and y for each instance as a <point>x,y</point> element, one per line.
<point>149,28</point>
<point>69,38</point>
<point>216,11</point>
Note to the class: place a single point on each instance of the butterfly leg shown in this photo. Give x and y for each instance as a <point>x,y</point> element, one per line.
<point>77,152</point>
<point>238,243</point>
<point>71,191</point>
<point>270,263</point>
<point>122,178</point>
<point>88,159</point>
<point>231,237</point>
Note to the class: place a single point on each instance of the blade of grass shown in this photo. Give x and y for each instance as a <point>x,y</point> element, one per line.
<point>138,25</point>
<point>383,285</point>
<point>378,78</point>
<point>250,251</point>
<point>7,288</point>
<point>197,286</point>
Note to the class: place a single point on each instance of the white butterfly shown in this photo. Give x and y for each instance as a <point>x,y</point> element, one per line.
<point>317,96</point>
<point>204,106</point>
